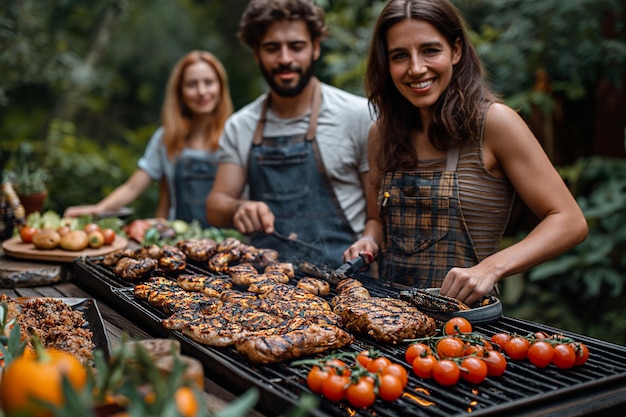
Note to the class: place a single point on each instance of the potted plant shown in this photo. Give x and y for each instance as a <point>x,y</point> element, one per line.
<point>30,184</point>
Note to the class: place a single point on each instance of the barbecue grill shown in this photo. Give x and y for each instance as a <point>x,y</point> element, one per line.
<point>524,389</point>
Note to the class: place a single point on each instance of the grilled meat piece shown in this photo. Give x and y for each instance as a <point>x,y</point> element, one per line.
<point>306,339</point>
<point>315,271</point>
<point>143,290</point>
<point>243,274</point>
<point>172,259</point>
<point>180,319</point>
<point>288,292</point>
<point>209,285</point>
<point>348,284</point>
<point>386,320</point>
<point>427,301</point>
<point>132,269</point>
<point>237,297</point>
<point>230,324</point>
<point>286,268</point>
<point>262,284</point>
<point>198,250</point>
<point>314,286</point>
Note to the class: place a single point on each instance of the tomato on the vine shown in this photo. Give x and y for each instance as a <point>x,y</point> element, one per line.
<point>414,350</point>
<point>500,339</point>
<point>335,386</point>
<point>446,372</point>
<point>364,358</point>
<point>423,366</point>
<point>456,325</point>
<point>397,370</point>
<point>540,353</point>
<point>473,370</point>
<point>564,356</point>
<point>337,366</point>
<point>581,351</point>
<point>517,347</point>
<point>316,378</point>
<point>496,363</point>
<point>450,347</point>
<point>361,394</point>
<point>377,365</point>
<point>390,387</point>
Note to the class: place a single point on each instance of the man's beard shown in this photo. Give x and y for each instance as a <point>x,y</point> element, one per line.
<point>305,77</point>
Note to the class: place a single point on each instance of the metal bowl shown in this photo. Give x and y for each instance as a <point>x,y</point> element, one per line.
<point>482,314</point>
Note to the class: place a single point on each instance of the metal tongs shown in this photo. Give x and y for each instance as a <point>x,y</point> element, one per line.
<point>354,265</point>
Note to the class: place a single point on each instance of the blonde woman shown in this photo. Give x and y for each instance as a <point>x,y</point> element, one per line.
<point>181,153</point>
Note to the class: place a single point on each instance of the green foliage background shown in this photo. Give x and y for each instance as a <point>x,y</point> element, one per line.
<point>83,83</point>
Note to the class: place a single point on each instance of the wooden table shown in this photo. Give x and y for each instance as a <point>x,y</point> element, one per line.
<point>59,276</point>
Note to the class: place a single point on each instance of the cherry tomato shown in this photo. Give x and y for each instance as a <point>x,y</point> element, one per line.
<point>27,233</point>
<point>397,370</point>
<point>517,348</point>
<point>337,366</point>
<point>414,350</point>
<point>390,388</point>
<point>423,366</point>
<point>361,394</point>
<point>457,325</point>
<point>334,387</point>
<point>540,335</point>
<point>446,372</point>
<point>496,363</point>
<point>540,354</point>
<point>316,378</point>
<point>564,356</point>
<point>109,236</point>
<point>581,351</point>
<point>450,347</point>
<point>499,339</point>
<point>473,370</point>
<point>91,227</point>
<point>377,365</point>
<point>364,358</point>
<point>474,350</point>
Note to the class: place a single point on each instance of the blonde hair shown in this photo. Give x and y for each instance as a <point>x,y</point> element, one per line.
<point>176,117</point>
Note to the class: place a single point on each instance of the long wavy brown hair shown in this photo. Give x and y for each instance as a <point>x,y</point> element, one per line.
<point>457,114</point>
<point>176,117</point>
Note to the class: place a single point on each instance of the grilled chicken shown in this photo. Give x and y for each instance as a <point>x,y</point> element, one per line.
<point>198,250</point>
<point>314,286</point>
<point>134,269</point>
<point>243,274</point>
<point>172,259</point>
<point>286,268</point>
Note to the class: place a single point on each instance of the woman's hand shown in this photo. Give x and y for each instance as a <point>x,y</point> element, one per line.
<point>364,244</point>
<point>468,284</point>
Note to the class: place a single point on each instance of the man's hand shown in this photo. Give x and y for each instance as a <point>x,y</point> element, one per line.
<point>253,216</point>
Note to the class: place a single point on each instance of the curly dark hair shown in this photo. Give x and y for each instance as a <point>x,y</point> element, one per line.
<point>260,14</point>
<point>457,114</point>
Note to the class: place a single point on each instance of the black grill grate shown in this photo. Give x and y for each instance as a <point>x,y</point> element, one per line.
<point>523,385</point>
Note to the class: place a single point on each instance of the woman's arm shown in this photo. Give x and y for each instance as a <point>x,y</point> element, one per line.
<point>121,196</point>
<point>510,149</point>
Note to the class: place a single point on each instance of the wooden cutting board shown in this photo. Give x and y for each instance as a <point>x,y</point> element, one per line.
<point>15,248</point>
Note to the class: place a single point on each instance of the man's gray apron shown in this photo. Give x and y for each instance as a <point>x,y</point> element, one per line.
<point>287,173</point>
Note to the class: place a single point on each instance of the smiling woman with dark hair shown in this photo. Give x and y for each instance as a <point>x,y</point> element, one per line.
<point>446,160</point>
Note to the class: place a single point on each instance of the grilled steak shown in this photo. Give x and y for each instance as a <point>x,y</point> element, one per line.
<point>296,341</point>
<point>386,320</point>
<point>198,250</point>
